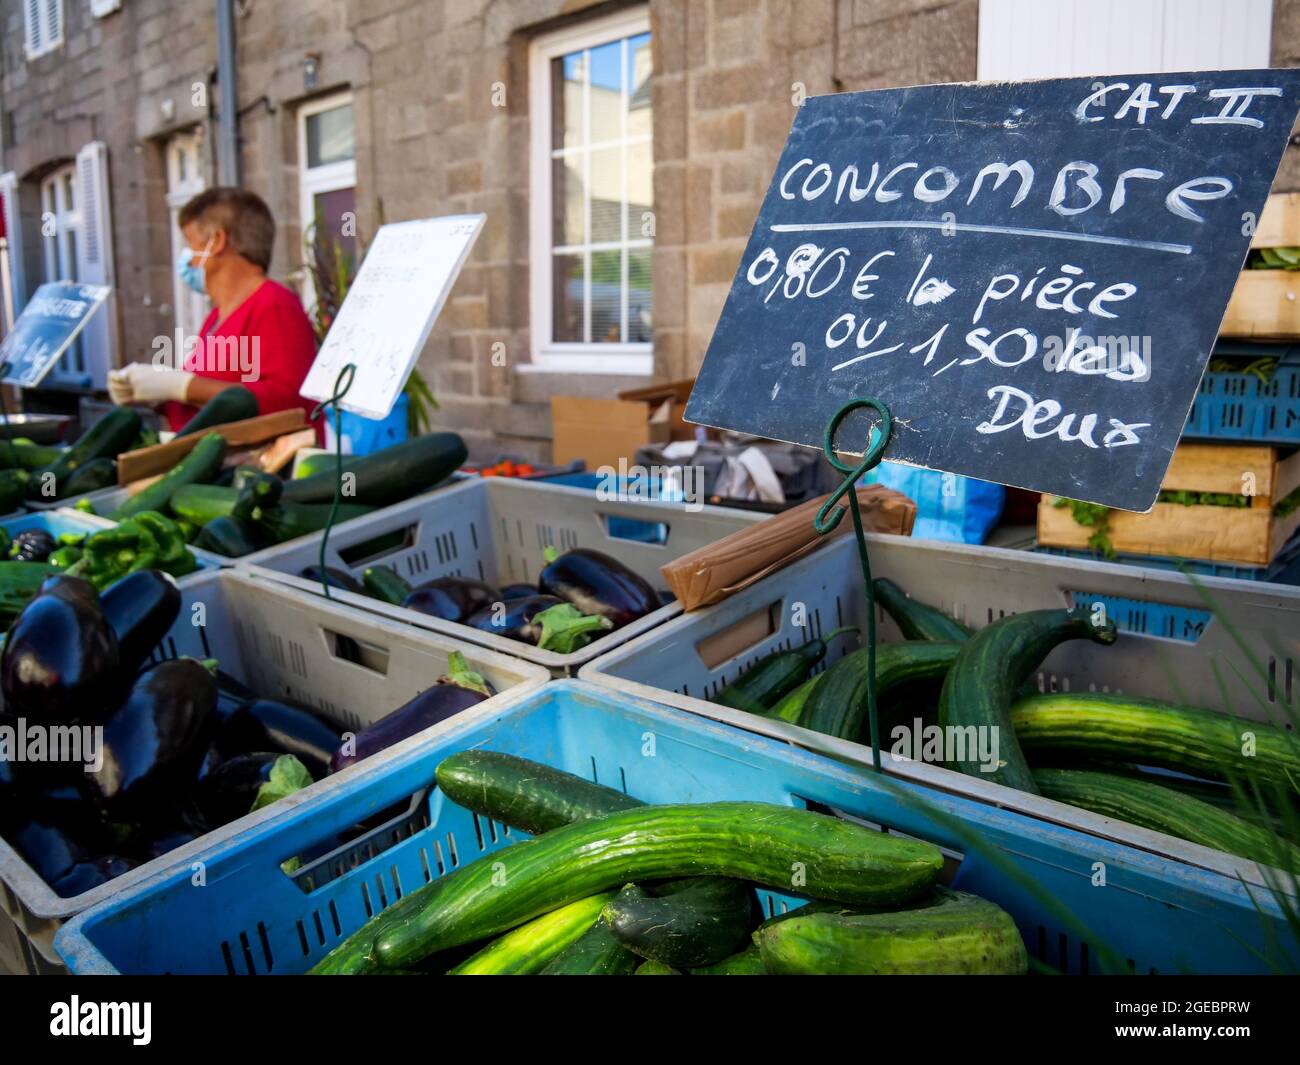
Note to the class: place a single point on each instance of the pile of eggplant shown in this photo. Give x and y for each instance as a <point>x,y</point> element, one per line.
<point>579,596</point>
<point>185,747</point>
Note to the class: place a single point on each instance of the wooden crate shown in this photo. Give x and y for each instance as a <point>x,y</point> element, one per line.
<point>1265,304</point>
<point>1251,535</point>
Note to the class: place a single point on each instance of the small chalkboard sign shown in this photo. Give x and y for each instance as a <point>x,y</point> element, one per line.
<point>47,326</point>
<point>1029,275</point>
<point>389,310</point>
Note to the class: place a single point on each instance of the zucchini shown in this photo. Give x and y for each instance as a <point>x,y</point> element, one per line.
<point>13,489</point>
<point>387,476</point>
<point>529,948</point>
<point>1162,809</point>
<point>596,953</point>
<point>200,465</point>
<point>950,933</point>
<point>747,841</point>
<point>24,455</point>
<point>90,477</point>
<point>917,620</point>
<point>202,503</point>
<point>763,685</point>
<point>106,439</point>
<point>1156,733</point>
<point>524,794</point>
<point>749,962</point>
<point>287,521</point>
<point>682,923</point>
<point>385,584</point>
<point>838,705</point>
<point>655,968</point>
<point>227,536</point>
<point>993,664</point>
<point>232,404</point>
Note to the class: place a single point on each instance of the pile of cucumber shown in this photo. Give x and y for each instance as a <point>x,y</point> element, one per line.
<point>1221,781</point>
<point>51,474</point>
<point>609,886</point>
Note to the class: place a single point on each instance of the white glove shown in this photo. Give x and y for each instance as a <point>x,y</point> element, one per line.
<point>119,388</point>
<point>150,385</point>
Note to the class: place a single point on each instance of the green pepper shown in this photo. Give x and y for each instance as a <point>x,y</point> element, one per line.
<point>65,556</point>
<point>147,540</point>
<point>189,530</point>
<point>72,539</point>
<point>84,505</point>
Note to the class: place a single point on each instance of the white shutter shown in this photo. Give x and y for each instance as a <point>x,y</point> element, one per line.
<point>32,26</point>
<point>14,234</point>
<point>53,23</point>
<point>95,259</point>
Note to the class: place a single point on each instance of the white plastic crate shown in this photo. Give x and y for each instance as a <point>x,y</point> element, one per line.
<point>282,643</point>
<point>1172,646</point>
<point>495,530</point>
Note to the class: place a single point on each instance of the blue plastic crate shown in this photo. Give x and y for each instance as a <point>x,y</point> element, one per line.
<point>1239,406</point>
<point>250,917</point>
<point>646,532</point>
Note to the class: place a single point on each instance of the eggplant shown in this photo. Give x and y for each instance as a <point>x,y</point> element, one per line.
<point>91,873</point>
<point>451,598</point>
<point>268,725</point>
<point>212,757</point>
<point>234,687</point>
<point>60,662</point>
<point>228,703</point>
<point>231,790</point>
<point>544,620</point>
<point>155,844</point>
<point>458,690</point>
<point>154,742</point>
<point>140,608</point>
<point>597,584</point>
<point>336,578</point>
<point>518,591</point>
<point>33,545</point>
<point>47,848</point>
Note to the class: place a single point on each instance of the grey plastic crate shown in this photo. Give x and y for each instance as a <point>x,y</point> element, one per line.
<point>282,643</point>
<point>104,500</point>
<point>495,530</point>
<point>1172,646</point>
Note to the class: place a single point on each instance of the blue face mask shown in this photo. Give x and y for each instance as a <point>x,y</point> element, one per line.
<point>192,276</point>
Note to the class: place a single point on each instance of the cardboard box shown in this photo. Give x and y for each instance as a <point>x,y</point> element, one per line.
<point>601,431</point>
<point>674,392</point>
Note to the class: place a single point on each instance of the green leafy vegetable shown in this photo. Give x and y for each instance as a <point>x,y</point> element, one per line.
<point>287,776</point>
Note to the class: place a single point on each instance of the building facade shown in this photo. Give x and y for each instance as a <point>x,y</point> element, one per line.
<point>619,150</point>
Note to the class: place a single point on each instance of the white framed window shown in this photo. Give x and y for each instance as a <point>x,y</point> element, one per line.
<point>592,191</point>
<point>327,181</point>
<point>185,180</point>
<point>1023,39</point>
<point>61,235</point>
<point>101,8</point>
<point>43,26</point>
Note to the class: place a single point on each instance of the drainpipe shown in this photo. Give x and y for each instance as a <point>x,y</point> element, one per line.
<point>227,102</point>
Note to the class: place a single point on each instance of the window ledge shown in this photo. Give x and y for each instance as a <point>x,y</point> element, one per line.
<point>539,384</point>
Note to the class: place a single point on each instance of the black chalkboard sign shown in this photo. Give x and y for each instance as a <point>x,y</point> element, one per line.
<point>48,324</point>
<point>1029,275</point>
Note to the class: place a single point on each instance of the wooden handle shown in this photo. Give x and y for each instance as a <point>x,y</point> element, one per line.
<point>147,461</point>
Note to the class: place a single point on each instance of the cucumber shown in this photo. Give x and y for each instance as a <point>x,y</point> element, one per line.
<point>992,665</point>
<point>763,685</point>
<point>529,948</point>
<point>747,841</point>
<point>917,620</point>
<point>106,439</point>
<point>385,584</point>
<point>1156,733</point>
<point>524,794</point>
<point>950,933</point>
<point>682,923</point>
<point>655,968</point>
<point>90,477</point>
<point>227,536</point>
<point>200,465</point>
<point>387,476</point>
<point>749,962</point>
<point>838,705</point>
<point>1162,809</point>
<point>232,404</point>
<point>596,953</point>
<point>201,503</point>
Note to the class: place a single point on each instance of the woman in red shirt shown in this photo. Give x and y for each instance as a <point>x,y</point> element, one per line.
<point>257,334</point>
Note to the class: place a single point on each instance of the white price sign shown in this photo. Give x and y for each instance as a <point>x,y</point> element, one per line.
<point>389,310</point>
